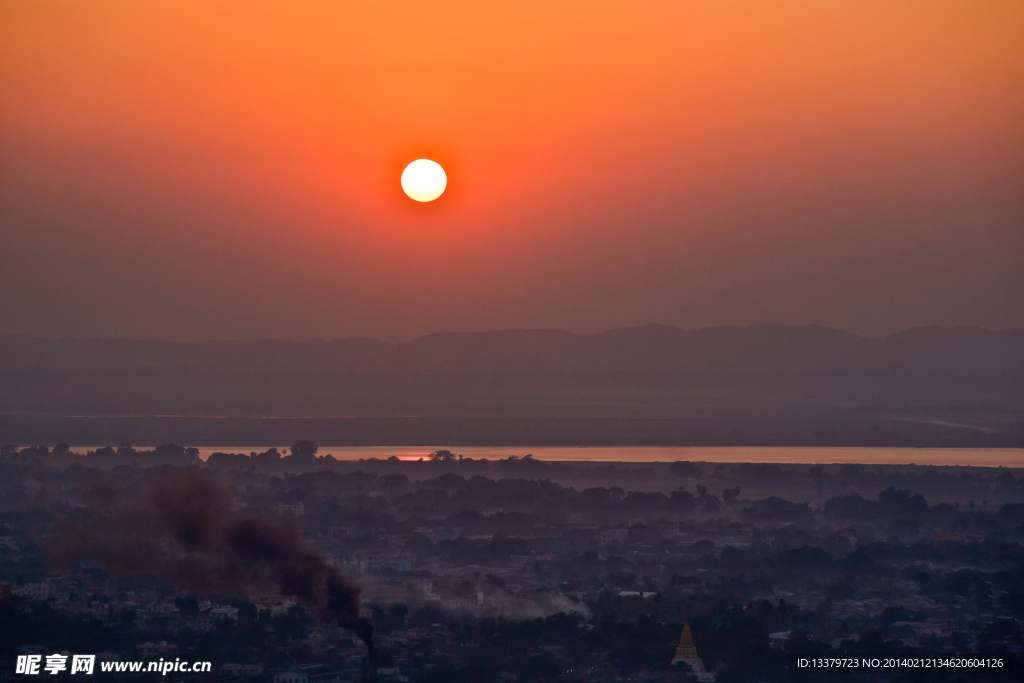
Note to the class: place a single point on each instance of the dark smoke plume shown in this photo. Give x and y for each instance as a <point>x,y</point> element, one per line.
<point>187,534</point>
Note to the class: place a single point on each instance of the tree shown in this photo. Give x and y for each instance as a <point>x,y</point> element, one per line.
<point>267,457</point>
<point>683,468</point>
<point>188,605</point>
<point>304,449</point>
<point>443,455</point>
<point>595,497</point>
<point>681,499</point>
<point>818,474</point>
<point>902,502</point>
<point>396,615</point>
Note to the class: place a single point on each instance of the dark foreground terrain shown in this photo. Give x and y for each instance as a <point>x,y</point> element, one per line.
<point>516,569</point>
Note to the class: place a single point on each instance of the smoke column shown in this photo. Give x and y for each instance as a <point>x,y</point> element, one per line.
<point>187,534</point>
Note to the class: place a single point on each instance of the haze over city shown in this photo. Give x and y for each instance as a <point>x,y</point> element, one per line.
<point>463,342</point>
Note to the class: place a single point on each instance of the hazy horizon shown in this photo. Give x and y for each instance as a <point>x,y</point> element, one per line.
<point>510,329</point>
<point>835,455</point>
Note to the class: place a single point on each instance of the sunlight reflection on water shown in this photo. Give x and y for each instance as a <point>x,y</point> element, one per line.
<point>977,457</point>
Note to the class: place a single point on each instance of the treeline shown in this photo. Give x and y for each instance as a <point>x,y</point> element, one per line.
<point>303,456</point>
<point>106,457</point>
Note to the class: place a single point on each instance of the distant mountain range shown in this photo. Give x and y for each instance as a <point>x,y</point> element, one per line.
<point>653,370</point>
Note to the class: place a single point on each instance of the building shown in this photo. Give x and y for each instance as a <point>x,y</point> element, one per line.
<point>296,510</point>
<point>391,674</point>
<point>155,650</point>
<point>371,559</point>
<point>460,603</point>
<point>291,677</point>
<point>687,653</point>
<point>613,536</point>
<point>34,591</point>
<point>399,564</point>
<point>779,640</point>
<point>367,560</point>
<point>670,527</point>
<point>932,627</point>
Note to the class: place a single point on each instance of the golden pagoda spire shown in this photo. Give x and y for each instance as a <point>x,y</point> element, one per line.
<point>687,651</point>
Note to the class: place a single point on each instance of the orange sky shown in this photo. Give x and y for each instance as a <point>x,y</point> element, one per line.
<point>230,169</point>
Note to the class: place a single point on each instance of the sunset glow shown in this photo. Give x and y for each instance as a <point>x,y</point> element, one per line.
<point>853,164</point>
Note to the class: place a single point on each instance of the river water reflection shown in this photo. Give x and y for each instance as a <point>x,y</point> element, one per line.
<point>978,457</point>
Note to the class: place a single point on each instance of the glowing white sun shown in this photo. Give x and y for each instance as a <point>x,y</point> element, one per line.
<point>424,180</point>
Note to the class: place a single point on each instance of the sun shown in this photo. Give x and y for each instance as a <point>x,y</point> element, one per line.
<point>424,180</point>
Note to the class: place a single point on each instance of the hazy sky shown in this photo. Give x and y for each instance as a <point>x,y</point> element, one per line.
<point>193,170</point>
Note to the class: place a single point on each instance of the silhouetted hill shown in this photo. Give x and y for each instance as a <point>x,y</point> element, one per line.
<point>648,370</point>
